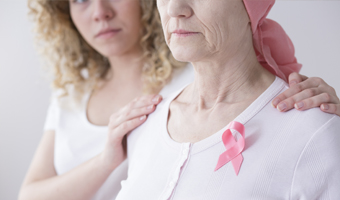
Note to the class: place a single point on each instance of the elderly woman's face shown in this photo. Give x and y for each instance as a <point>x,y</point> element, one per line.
<point>200,29</point>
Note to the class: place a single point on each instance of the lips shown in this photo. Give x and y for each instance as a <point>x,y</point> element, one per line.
<point>183,33</point>
<point>106,33</point>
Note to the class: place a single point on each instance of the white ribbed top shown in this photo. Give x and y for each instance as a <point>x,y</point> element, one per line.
<point>292,155</point>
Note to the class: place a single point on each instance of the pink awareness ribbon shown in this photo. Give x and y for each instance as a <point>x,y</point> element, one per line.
<point>233,148</point>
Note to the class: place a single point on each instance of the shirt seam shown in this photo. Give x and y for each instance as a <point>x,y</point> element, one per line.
<point>303,151</point>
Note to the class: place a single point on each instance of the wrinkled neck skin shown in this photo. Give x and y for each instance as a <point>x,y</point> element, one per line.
<point>231,76</point>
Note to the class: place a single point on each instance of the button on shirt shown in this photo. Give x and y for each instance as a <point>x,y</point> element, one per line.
<point>292,155</point>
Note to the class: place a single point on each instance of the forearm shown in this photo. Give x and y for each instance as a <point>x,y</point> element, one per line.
<point>80,183</point>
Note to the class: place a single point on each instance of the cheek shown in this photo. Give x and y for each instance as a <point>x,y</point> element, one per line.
<point>216,35</point>
<point>162,10</point>
<point>165,26</point>
<point>82,21</point>
<point>213,24</point>
<point>130,13</point>
<point>165,20</point>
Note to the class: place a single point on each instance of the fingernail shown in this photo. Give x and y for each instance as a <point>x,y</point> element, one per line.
<point>292,83</point>
<point>155,99</point>
<point>325,107</point>
<point>142,118</point>
<point>299,105</point>
<point>149,107</point>
<point>275,102</point>
<point>281,106</point>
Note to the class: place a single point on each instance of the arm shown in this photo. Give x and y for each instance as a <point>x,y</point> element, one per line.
<point>305,93</point>
<point>82,182</point>
<point>42,181</point>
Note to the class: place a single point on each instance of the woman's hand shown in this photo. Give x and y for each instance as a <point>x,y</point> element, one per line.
<point>42,182</point>
<point>305,93</point>
<point>121,123</point>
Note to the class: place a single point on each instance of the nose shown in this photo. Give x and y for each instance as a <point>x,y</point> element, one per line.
<point>179,9</point>
<point>102,10</point>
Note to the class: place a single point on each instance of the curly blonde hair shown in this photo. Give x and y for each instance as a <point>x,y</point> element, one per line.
<point>69,54</point>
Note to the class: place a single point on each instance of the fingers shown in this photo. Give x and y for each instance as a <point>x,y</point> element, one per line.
<point>296,100</point>
<point>130,117</point>
<point>310,83</point>
<point>314,101</point>
<point>127,126</point>
<point>144,101</point>
<point>295,78</point>
<point>135,113</point>
<point>143,105</point>
<point>310,93</point>
<point>308,98</point>
<point>331,108</point>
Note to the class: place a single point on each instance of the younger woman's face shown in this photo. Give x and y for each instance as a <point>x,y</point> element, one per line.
<point>112,27</point>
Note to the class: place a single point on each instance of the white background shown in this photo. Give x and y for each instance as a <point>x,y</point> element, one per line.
<point>314,27</point>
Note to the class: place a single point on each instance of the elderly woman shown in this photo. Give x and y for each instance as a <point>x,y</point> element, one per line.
<point>219,137</point>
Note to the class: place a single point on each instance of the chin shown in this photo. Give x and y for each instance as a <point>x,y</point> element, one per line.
<point>186,54</point>
<point>112,50</point>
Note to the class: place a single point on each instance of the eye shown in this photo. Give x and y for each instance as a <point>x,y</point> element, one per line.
<point>80,1</point>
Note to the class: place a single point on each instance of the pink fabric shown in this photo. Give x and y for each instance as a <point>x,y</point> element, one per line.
<point>274,49</point>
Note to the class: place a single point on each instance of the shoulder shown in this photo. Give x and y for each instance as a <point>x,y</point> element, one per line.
<point>310,120</point>
<point>315,138</point>
<point>299,127</point>
<point>315,119</point>
<point>69,102</point>
<point>311,142</point>
<point>322,127</point>
<point>317,168</point>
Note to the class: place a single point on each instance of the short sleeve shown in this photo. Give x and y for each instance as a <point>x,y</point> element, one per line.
<point>52,115</point>
<point>317,174</point>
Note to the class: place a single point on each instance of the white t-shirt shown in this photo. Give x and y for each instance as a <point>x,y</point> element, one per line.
<point>77,140</point>
<point>291,155</point>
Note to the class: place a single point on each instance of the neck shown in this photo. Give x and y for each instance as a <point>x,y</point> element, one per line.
<point>236,78</point>
<point>126,69</point>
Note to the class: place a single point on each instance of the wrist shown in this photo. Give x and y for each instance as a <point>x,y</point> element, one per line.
<point>106,163</point>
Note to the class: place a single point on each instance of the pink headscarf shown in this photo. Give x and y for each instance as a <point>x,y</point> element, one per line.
<point>274,49</point>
